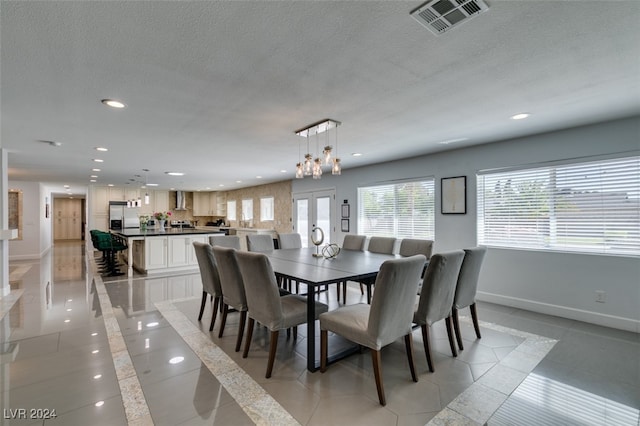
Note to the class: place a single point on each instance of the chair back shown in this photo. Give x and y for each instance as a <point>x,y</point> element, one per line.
<point>409,247</point>
<point>260,242</point>
<point>353,242</point>
<point>468,277</point>
<point>260,284</point>
<point>230,241</point>
<point>289,241</point>
<point>208,269</point>
<point>233,293</point>
<point>381,245</point>
<point>392,305</point>
<point>438,287</point>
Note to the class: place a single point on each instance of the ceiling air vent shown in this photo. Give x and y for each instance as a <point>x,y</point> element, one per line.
<point>439,16</point>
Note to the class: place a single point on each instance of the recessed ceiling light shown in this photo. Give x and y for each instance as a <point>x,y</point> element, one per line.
<point>221,185</point>
<point>66,186</point>
<point>92,180</point>
<point>113,103</point>
<point>520,116</point>
<point>174,173</point>
<point>110,184</point>
<point>93,176</point>
<point>95,170</point>
<point>238,181</point>
<point>102,149</point>
<point>152,184</point>
<point>356,154</point>
<point>258,177</point>
<point>283,171</point>
<point>447,142</point>
<point>97,160</point>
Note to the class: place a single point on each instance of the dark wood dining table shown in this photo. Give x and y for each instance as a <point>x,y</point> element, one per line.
<point>316,272</point>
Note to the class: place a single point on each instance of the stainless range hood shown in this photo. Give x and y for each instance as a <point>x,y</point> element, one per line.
<point>181,200</point>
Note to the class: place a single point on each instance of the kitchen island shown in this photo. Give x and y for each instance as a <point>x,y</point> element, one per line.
<point>154,251</point>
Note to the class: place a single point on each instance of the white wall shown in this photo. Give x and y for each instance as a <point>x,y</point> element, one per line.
<point>36,230</point>
<point>555,283</point>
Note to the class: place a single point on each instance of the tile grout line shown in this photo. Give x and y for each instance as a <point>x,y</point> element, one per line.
<point>491,396</point>
<point>256,402</point>
<point>135,404</point>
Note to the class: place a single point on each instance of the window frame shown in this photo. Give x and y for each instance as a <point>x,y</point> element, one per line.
<point>270,208</point>
<point>247,212</point>
<point>394,227</point>
<point>587,205</point>
<point>231,210</point>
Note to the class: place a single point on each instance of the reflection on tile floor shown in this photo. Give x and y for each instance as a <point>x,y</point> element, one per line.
<point>131,351</point>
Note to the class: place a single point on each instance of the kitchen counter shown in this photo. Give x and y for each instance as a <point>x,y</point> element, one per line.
<point>149,232</point>
<point>163,250</point>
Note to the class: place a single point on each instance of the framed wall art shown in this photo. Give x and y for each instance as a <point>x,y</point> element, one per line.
<point>453,192</point>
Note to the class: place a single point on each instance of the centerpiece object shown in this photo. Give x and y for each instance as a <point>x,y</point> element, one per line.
<point>144,220</point>
<point>161,217</point>
<point>317,238</point>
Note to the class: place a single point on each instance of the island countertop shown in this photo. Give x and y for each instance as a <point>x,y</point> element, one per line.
<point>152,232</point>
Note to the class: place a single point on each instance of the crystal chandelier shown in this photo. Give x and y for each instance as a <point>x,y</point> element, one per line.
<point>311,165</point>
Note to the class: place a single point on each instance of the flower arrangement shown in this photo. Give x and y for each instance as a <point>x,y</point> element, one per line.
<point>144,219</point>
<point>162,215</point>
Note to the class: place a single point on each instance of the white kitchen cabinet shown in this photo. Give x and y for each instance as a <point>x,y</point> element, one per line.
<point>155,253</point>
<point>181,251</point>
<point>131,194</point>
<point>205,204</point>
<point>116,193</point>
<point>221,204</point>
<point>161,201</point>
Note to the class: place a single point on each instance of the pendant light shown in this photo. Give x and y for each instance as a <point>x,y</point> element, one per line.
<point>312,165</point>
<point>146,182</point>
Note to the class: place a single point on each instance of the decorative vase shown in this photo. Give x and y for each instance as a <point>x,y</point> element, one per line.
<point>161,224</point>
<point>143,226</point>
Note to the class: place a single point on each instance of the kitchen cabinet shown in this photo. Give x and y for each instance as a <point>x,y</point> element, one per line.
<point>205,204</point>
<point>132,194</point>
<point>99,200</point>
<point>181,251</point>
<point>155,253</point>
<point>67,219</point>
<point>221,204</point>
<point>161,201</point>
<point>116,193</point>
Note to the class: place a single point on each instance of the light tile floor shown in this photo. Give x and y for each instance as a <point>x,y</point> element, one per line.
<point>98,351</point>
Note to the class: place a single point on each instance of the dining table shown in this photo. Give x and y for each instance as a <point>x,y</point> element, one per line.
<point>316,272</point>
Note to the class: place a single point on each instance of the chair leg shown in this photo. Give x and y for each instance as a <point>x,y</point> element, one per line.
<point>474,317</point>
<point>344,292</point>
<point>408,345</point>
<point>247,341</point>
<point>375,357</point>
<point>243,320</point>
<point>338,285</point>
<point>225,311</point>
<point>361,289</point>
<point>273,345</point>
<point>456,327</point>
<point>202,303</point>
<point>427,349</point>
<point>324,338</point>
<point>452,345</point>
<point>216,304</point>
<point>295,333</point>
<point>369,294</point>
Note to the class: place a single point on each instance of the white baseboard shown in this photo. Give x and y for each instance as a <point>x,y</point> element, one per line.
<point>32,256</point>
<point>604,320</point>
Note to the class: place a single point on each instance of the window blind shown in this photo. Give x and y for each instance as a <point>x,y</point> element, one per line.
<point>583,207</point>
<point>401,210</point>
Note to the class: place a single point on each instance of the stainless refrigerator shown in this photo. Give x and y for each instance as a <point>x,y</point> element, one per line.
<point>121,216</point>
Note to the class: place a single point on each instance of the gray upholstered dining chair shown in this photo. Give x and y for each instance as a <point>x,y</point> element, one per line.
<point>436,298</point>
<point>383,245</point>
<point>409,247</point>
<point>353,242</point>
<point>230,241</point>
<point>466,289</point>
<point>260,242</point>
<point>350,242</point>
<point>384,321</point>
<point>233,294</point>
<point>285,242</point>
<point>267,306</point>
<point>210,279</point>
<point>289,241</point>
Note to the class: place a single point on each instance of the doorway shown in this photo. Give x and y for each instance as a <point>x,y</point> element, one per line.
<point>314,209</point>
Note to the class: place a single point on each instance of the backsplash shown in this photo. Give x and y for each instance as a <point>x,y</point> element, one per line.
<point>281,193</point>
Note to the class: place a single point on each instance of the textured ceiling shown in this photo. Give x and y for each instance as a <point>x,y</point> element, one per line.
<point>216,89</point>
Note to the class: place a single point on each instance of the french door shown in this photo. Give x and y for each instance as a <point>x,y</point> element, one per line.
<point>314,209</point>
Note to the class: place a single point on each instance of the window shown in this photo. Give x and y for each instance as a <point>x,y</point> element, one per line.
<point>266,208</point>
<point>231,210</point>
<point>247,209</point>
<point>401,210</point>
<point>580,207</point>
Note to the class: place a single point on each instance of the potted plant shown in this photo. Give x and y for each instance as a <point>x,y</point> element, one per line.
<point>161,217</point>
